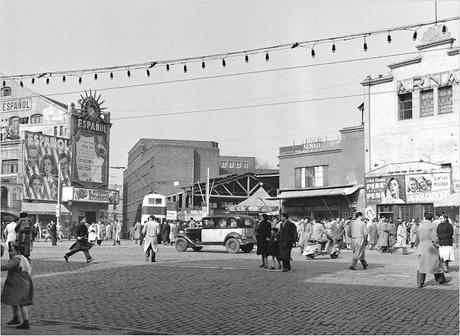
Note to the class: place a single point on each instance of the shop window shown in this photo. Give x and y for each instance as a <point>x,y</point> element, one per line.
<point>405,106</point>
<point>61,130</point>
<point>426,103</point>
<point>36,119</point>
<point>407,212</point>
<point>14,121</point>
<point>24,120</point>
<point>55,130</point>
<point>245,165</point>
<point>223,164</point>
<point>311,177</point>
<point>231,164</point>
<point>6,91</point>
<point>238,164</point>
<point>445,99</point>
<point>9,166</point>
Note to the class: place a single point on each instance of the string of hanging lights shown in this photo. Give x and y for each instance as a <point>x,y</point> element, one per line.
<point>310,44</point>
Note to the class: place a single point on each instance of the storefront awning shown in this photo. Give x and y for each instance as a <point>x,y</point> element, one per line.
<point>316,193</point>
<point>449,201</point>
<point>42,208</point>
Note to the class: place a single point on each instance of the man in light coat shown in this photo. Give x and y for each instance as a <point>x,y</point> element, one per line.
<point>428,253</point>
<point>357,230</point>
<point>150,232</point>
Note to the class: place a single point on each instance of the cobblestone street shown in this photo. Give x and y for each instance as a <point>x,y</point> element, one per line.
<point>212,292</point>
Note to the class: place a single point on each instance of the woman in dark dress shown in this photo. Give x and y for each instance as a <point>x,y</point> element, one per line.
<point>274,247</point>
<point>263,239</point>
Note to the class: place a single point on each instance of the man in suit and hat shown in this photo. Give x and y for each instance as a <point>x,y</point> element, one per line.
<point>288,233</point>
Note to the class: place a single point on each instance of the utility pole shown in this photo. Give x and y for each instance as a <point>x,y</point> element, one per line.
<point>207,193</point>
<point>58,205</point>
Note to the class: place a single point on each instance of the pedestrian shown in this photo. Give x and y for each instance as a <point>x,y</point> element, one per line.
<point>337,232</point>
<point>392,236</point>
<point>373,233</point>
<point>347,238</point>
<point>382,242</point>
<point>413,234</point>
<point>288,233</point>
<point>10,234</point>
<point>165,230</point>
<point>456,232</point>
<point>116,232</point>
<point>81,244</point>
<point>401,236</point>
<point>137,232</point>
<point>304,233</point>
<point>108,231</point>
<point>263,233</point>
<point>60,234</point>
<point>445,233</point>
<point>150,232</point>
<point>274,247</point>
<point>92,233</point>
<point>18,290</point>
<point>100,229</point>
<point>53,232</point>
<point>24,234</point>
<point>357,231</point>
<point>174,232</point>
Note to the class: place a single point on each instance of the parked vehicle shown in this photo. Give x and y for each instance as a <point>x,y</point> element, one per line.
<point>233,232</point>
<point>315,248</point>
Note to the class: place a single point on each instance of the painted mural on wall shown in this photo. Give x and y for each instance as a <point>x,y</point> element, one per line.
<point>409,188</point>
<point>90,129</point>
<point>44,154</point>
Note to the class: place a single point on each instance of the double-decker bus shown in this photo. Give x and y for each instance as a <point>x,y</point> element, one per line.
<point>153,204</point>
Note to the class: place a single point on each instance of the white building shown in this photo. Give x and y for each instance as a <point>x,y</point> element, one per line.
<point>411,132</point>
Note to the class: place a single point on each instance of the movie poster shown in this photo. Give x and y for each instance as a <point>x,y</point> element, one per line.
<point>427,188</point>
<point>386,189</point>
<point>43,155</point>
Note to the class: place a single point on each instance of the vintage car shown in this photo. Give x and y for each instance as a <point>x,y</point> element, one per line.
<point>234,232</point>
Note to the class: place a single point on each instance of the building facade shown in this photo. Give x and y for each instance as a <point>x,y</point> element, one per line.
<point>54,157</point>
<point>236,164</point>
<point>323,178</point>
<point>165,167</point>
<point>411,130</point>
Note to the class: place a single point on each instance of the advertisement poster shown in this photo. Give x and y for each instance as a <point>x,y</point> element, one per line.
<point>386,189</point>
<point>96,195</point>
<point>43,155</point>
<point>91,158</point>
<point>427,188</point>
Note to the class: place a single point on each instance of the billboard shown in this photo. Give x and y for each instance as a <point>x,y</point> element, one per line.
<point>90,195</point>
<point>43,154</point>
<point>409,188</point>
<point>90,134</point>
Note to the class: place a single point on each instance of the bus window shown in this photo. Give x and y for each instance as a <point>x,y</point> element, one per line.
<point>222,222</point>
<point>233,223</point>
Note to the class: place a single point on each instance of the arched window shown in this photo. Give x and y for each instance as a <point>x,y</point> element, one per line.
<point>14,121</point>
<point>36,119</point>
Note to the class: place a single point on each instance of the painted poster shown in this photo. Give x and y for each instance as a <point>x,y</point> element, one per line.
<point>427,188</point>
<point>385,189</point>
<point>91,158</point>
<point>43,155</point>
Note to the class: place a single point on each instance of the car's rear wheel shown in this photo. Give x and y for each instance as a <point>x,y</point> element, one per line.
<point>310,256</point>
<point>197,248</point>
<point>232,245</point>
<point>181,244</point>
<point>247,248</point>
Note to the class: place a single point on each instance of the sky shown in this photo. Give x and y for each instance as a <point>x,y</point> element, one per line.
<point>296,92</point>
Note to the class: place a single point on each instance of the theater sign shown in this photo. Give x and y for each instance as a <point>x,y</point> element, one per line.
<point>90,195</point>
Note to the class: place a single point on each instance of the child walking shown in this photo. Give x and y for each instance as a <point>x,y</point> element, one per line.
<point>18,289</point>
<point>274,247</point>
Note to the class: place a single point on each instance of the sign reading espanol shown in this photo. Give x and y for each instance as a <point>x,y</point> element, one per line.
<point>14,105</point>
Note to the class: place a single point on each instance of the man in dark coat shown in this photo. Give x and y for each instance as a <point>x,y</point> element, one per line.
<point>81,244</point>
<point>263,233</point>
<point>24,233</point>
<point>53,232</point>
<point>288,233</point>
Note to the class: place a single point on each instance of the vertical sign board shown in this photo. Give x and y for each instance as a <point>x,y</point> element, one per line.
<point>90,144</point>
<point>42,154</point>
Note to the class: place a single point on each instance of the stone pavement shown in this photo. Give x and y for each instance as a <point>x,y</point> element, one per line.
<point>213,292</point>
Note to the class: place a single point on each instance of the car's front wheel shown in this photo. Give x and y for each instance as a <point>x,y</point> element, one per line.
<point>247,248</point>
<point>197,248</point>
<point>232,245</point>
<point>181,244</point>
